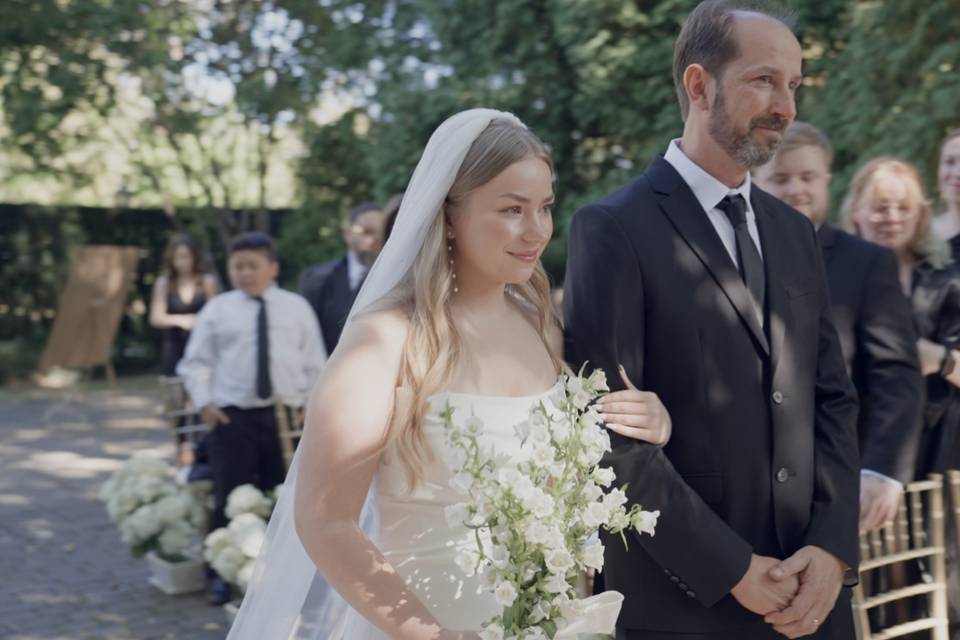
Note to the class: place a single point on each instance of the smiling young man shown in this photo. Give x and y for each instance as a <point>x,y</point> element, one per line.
<point>872,317</point>
<point>711,294</point>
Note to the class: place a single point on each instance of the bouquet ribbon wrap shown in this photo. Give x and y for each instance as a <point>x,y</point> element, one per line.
<point>596,614</point>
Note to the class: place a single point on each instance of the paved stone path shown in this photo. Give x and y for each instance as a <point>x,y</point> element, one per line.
<point>64,574</point>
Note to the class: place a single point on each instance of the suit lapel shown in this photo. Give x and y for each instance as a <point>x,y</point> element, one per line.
<point>778,303</point>
<point>692,223</point>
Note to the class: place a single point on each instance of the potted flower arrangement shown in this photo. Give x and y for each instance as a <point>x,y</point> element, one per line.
<point>157,520</point>
<point>232,550</point>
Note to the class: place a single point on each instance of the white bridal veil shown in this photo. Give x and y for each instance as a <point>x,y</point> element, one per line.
<point>287,597</point>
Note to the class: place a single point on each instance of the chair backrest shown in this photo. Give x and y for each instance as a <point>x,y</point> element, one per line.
<point>953,484</point>
<point>290,429</point>
<point>901,563</point>
<point>179,413</point>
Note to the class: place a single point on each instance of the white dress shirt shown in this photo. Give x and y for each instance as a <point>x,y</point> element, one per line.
<point>220,362</point>
<point>709,192</point>
<point>355,271</point>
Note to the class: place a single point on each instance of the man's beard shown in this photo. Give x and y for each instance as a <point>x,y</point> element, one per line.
<point>741,147</point>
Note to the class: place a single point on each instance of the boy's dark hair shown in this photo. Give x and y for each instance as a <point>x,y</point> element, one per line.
<point>707,39</point>
<point>254,241</point>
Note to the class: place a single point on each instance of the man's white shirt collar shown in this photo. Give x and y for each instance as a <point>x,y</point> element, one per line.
<point>706,189</point>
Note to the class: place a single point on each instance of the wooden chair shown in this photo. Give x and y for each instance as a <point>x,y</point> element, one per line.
<point>290,428</point>
<point>953,484</point>
<point>185,424</point>
<point>886,577</point>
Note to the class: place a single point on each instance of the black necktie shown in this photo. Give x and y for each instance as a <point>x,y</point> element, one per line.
<point>264,388</point>
<point>751,266</point>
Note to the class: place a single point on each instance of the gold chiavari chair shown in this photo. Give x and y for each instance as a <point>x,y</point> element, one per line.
<point>953,484</point>
<point>290,429</point>
<point>887,580</point>
<point>185,424</point>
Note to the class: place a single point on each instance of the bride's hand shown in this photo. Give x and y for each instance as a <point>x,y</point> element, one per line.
<point>636,414</point>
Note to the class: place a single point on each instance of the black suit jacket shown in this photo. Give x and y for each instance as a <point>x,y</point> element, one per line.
<point>875,325</point>
<point>327,288</point>
<point>763,456</point>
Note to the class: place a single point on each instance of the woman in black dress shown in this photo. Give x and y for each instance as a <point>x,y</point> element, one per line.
<point>886,204</point>
<point>178,295</point>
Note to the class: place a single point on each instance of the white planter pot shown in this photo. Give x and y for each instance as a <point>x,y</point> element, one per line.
<point>186,576</point>
<point>231,609</point>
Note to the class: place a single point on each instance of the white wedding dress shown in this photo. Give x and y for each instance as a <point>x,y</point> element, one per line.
<point>414,535</point>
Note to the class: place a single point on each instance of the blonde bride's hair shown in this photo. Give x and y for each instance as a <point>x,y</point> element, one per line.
<point>433,347</point>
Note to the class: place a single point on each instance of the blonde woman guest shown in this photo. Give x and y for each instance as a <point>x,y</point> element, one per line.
<point>886,204</point>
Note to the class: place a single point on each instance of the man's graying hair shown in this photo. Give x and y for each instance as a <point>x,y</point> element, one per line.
<point>707,39</point>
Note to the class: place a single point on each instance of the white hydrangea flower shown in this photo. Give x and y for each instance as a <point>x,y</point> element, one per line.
<point>145,522</point>
<point>215,542</point>
<point>173,509</point>
<point>176,537</point>
<point>244,575</point>
<point>505,593</point>
<point>598,381</point>
<point>250,540</point>
<point>228,562</point>
<point>248,499</point>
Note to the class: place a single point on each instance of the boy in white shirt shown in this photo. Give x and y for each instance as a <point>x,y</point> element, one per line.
<point>250,348</point>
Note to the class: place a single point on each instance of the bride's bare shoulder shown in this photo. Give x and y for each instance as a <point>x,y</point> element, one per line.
<point>384,330</point>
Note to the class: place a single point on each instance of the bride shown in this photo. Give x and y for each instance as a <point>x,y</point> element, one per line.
<point>456,311</point>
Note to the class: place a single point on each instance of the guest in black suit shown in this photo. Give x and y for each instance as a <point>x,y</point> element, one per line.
<point>331,287</point>
<point>886,204</point>
<point>712,294</point>
<point>873,319</point>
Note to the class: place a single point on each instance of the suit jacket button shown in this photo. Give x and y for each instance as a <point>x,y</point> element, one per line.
<point>777,397</point>
<point>691,594</point>
<point>667,571</point>
<point>683,587</point>
<point>674,579</point>
<point>783,475</point>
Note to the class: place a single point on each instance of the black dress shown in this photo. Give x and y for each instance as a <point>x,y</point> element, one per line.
<point>935,298</point>
<point>174,338</point>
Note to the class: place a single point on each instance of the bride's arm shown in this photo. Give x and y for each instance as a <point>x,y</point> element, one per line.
<point>347,418</point>
<point>630,412</point>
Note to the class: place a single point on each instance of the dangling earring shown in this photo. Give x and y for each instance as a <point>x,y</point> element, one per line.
<point>453,274</point>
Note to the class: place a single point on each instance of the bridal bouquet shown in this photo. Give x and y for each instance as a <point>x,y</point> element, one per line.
<point>153,514</point>
<point>535,521</point>
<point>232,550</point>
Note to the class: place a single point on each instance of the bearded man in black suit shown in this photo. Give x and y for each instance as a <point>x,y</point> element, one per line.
<point>711,293</point>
